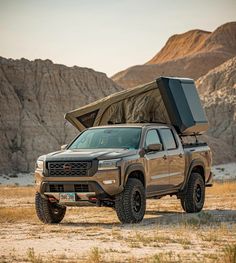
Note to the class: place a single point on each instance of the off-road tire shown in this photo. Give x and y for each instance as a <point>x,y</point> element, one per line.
<point>48,212</point>
<point>130,205</point>
<point>193,200</point>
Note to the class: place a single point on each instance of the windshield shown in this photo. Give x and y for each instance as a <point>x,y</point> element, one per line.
<point>108,138</point>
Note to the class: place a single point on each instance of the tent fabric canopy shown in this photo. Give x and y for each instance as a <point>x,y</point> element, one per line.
<point>167,100</point>
<point>141,104</point>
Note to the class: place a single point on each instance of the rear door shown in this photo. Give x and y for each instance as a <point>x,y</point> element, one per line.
<point>175,156</point>
<point>156,164</point>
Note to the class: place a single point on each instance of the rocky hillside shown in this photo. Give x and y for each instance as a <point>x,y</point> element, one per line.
<point>34,97</point>
<point>218,92</point>
<point>191,54</point>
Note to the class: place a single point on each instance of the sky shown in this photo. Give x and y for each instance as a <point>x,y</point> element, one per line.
<point>106,35</point>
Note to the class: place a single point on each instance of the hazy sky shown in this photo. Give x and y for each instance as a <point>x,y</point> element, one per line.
<point>106,35</point>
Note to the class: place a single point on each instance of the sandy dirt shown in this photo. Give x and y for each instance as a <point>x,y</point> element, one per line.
<point>94,234</point>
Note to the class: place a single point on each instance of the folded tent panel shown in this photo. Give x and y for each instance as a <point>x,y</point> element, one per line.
<point>167,100</point>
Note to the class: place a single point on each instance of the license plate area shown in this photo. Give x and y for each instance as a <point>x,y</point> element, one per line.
<point>67,197</point>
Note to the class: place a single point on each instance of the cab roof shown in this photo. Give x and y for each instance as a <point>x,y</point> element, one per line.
<point>132,125</point>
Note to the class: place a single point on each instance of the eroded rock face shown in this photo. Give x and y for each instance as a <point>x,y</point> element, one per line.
<point>218,93</point>
<point>34,96</point>
<point>191,54</point>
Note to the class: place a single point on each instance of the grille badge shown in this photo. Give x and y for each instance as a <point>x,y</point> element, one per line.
<point>67,167</point>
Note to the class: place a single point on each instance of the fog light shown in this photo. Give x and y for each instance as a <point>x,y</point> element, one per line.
<point>109,181</point>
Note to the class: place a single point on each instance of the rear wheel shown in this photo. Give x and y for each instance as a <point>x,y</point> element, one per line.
<point>194,198</point>
<point>48,212</point>
<point>130,205</point>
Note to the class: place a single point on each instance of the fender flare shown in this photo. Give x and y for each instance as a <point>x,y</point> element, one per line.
<point>136,167</point>
<point>193,164</point>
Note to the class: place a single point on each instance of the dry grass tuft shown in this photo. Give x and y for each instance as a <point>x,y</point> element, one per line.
<point>32,257</point>
<point>17,214</point>
<point>95,256</point>
<point>164,258</point>
<point>229,254</point>
<point>222,188</point>
<point>16,191</point>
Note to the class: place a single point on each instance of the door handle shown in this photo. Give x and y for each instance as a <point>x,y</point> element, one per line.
<point>164,157</point>
<point>180,155</point>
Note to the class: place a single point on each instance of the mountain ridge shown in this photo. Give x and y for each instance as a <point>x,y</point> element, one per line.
<point>175,60</point>
<point>194,38</point>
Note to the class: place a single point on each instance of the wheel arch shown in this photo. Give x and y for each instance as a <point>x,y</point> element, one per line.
<point>199,169</point>
<point>135,171</point>
<point>196,166</point>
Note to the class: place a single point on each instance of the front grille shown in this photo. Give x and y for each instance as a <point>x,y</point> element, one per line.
<point>80,168</point>
<point>60,188</point>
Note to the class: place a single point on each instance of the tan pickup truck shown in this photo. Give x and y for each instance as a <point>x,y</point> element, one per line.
<point>120,166</point>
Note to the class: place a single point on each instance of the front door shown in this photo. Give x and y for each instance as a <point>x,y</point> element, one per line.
<point>156,165</point>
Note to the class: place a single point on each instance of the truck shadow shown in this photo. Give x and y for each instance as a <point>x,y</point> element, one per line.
<point>166,218</point>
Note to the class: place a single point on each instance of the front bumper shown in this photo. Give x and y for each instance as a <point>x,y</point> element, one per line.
<point>103,184</point>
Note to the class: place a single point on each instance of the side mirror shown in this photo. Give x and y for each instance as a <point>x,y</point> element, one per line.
<point>63,147</point>
<point>155,147</point>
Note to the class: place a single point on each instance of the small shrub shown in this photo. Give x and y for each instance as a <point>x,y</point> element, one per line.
<point>163,258</point>
<point>229,254</point>
<point>32,257</point>
<point>95,256</point>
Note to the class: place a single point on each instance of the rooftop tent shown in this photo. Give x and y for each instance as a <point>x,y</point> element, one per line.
<point>168,100</point>
<point>183,105</point>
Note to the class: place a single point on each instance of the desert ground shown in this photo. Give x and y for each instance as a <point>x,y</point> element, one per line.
<point>94,234</point>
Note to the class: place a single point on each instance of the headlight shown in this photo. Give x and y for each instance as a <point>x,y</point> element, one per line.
<point>108,164</point>
<point>39,164</point>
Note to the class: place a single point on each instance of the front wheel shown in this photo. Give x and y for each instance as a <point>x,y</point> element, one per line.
<point>193,200</point>
<point>130,205</point>
<point>48,212</point>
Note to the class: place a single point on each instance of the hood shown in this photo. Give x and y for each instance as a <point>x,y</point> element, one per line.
<point>89,154</point>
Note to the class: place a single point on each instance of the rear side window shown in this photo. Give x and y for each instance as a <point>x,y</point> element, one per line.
<point>168,139</point>
<point>152,137</point>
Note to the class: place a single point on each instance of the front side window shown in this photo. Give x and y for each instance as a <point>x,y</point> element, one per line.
<point>168,139</point>
<point>152,138</point>
<point>127,138</point>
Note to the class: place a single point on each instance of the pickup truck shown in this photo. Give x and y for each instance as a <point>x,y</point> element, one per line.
<point>120,166</point>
